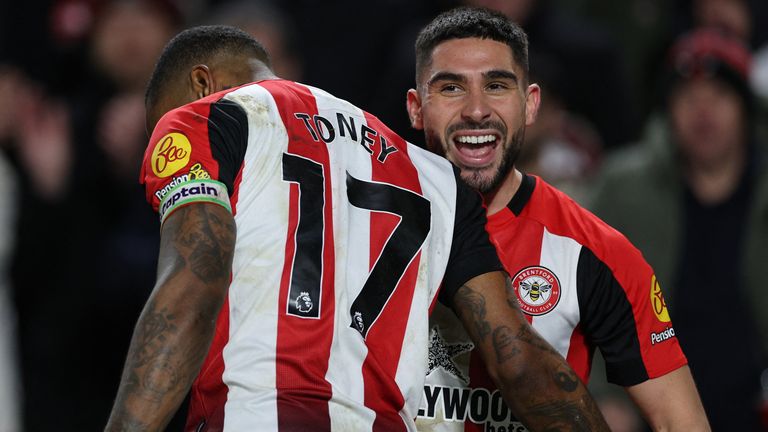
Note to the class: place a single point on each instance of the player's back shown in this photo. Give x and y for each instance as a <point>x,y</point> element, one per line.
<point>343,233</point>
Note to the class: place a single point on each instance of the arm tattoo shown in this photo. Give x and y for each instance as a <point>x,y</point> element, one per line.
<point>469,301</point>
<point>156,369</point>
<point>200,238</point>
<point>504,344</point>
<point>511,296</point>
<point>153,382</point>
<point>168,348</point>
<point>562,416</point>
<point>566,379</point>
<point>526,335</point>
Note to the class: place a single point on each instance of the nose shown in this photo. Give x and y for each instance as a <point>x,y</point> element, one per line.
<point>476,107</point>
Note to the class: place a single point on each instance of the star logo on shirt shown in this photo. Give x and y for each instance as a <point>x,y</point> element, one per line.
<point>441,355</point>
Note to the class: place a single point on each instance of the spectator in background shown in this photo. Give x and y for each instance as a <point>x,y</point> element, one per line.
<point>693,196</point>
<point>741,19</point>
<point>81,271</point>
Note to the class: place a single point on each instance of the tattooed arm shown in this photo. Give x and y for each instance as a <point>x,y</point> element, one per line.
<point>175,329</point>
<point>536,382</point>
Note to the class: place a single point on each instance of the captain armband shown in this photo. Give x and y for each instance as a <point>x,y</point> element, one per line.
<point>194,191</point>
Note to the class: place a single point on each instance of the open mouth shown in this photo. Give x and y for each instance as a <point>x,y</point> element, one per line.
<point>477,150</point>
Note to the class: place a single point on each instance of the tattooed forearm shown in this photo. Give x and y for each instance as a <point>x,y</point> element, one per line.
<point>535,381</point>
<point>162,363</point>
<point>562,416</point>
<point>568,408</point>
<point>152,332</point>
<point>470,302</point>
<point>204,240</point>
<point>174,332</point>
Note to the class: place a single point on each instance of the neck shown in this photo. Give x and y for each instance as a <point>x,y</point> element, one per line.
<point>264,74</point>
<point>713,183</point>
<point>498,198</point>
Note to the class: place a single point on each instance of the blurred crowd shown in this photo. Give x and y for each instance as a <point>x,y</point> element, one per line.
<point>654,116</point>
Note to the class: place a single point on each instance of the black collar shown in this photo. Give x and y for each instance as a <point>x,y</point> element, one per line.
<point>523,195</point>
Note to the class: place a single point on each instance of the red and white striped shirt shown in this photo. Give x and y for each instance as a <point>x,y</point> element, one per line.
<point>345,234</point>
<point>581,285</point>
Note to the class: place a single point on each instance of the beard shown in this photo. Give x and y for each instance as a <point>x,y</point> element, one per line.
<point>478,178</point>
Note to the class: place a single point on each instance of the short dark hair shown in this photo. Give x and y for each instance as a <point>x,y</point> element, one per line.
<point>471,22</point>
<point>198,45</point>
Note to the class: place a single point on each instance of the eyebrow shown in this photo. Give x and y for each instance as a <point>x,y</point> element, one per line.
<point>492,74</point>
<point>501,74</point>
<point>446,76</point>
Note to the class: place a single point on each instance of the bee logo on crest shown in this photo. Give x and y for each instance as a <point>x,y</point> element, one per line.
<point>537,289</point>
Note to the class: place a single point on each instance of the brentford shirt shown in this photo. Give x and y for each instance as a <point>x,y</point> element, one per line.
<point>345,236</point>
<point>581,285</point>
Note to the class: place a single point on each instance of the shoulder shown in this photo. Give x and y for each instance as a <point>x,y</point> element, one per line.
<point>562,216</point>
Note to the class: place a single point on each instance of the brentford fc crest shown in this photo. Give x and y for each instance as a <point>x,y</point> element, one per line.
<point>537,289</point>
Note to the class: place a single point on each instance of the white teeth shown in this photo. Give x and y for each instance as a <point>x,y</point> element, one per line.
<point>473,139</point>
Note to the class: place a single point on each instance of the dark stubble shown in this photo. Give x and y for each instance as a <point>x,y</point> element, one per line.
<point>474,176</point>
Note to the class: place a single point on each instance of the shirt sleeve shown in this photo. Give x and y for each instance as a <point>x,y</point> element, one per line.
<point>194,155</point>
<point>472,253</point>
<point>624,314</point>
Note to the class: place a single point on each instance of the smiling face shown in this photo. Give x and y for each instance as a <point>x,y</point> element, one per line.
<point>473,103</point>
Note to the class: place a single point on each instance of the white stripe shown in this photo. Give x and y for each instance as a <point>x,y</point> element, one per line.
<point>561,256</point>
<point>439,187</point>
<point>262,215</point>
<point>352,254</point>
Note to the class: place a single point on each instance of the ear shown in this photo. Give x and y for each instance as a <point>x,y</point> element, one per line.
<point>201,81</point>
<point>532,101</point>
<point>413,104</point>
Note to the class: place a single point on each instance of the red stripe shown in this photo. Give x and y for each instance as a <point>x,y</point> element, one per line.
<point>579,354</point>
<point>209,393</point>
<point>385,340</point>
<point>304,345</point>
<point>235,193</point>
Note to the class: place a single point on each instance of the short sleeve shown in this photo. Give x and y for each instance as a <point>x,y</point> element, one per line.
<point>194,155</point>
<point>472,253</point>
<point>624,314</point>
